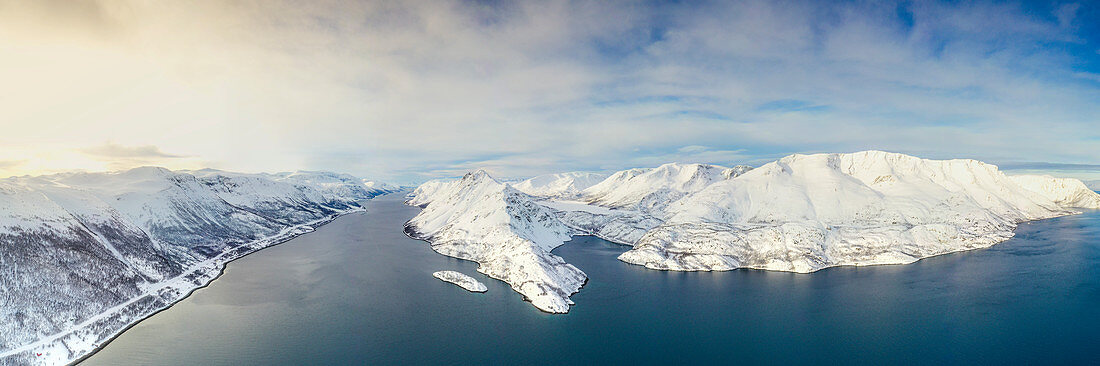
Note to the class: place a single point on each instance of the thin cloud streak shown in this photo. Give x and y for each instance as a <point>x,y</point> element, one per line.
<point>8,164</point>
<point>110,150</point>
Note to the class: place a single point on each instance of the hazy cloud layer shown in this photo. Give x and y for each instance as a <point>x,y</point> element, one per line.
<point>415,89</point>
<point>110,150</point>
<point>117,157</point>
<point>1089,173</point>
<point>8,164</point>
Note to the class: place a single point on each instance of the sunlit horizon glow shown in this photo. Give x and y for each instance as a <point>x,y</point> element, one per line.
<point>409,91</point>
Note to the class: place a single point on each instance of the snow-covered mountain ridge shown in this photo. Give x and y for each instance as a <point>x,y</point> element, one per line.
<point>83,255</point>
<point>480,219</point>
<point>563,185</point>
<point>801,213</point>
<point>807,212</point>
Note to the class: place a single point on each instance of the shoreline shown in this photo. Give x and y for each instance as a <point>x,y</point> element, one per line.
<point>412,231</point>
<point>414,234</point>
<point>221,271</point>
<point>287,234</point>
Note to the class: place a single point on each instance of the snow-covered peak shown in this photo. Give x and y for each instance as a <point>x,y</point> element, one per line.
<point>430,190</point>
<point>317,176</point>
<point>671,181</point>
<point>870,186</point>
<point>479,175</point>
<point>483,203</point>
<point>138,180</point>
<point>736,171</point>
<point>618,178</point>
<point>481,219</point>
<point>559,185</point>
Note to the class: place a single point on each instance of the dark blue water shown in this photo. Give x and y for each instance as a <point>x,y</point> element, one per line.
<point>358,291</point>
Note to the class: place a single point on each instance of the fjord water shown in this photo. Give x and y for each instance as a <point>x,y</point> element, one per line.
<point>357,291</point>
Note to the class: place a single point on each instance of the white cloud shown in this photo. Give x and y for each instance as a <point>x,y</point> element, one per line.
<point>408,90</point>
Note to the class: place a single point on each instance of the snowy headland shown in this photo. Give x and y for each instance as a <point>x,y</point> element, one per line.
<point>799,214</point>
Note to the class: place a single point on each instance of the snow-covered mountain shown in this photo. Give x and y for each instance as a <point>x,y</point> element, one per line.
<point>800,213</point>
<point>807,212</point>
<point>480,219</point>
<point>563,185</point>
<point>650,190</point>
<point>427,191</point>
<point>336,185</point>
<point>380,186</point>
<point>632,202</point>
<point>83,255</point>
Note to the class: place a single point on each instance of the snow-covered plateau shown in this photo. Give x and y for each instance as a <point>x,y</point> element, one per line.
<point>461,280</point>
<point>85,255</point>
<point>800,214</point>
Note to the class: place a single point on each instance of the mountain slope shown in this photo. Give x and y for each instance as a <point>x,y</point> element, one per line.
<point>650,190</point>
<point>82,255</point>
<point>480,219</point>
<point>335,186</point>
<point>637,198</point>
<point>801,213</point>
<point>561,185</point>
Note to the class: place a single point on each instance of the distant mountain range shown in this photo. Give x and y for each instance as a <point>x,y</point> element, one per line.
<point>83,255</point>
<point>801,213</point>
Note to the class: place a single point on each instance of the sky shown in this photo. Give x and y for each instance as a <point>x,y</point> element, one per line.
<point>405,91</point>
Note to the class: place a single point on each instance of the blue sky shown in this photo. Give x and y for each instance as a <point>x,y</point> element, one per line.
<point>407,91</point>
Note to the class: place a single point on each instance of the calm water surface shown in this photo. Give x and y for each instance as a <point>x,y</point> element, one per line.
<point>357,291</point>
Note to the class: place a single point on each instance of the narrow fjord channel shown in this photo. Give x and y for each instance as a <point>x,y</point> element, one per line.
<point>358,291</point>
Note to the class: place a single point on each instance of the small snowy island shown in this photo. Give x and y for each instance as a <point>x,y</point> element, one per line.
<point>799,214</point>
<point>463,281</point>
